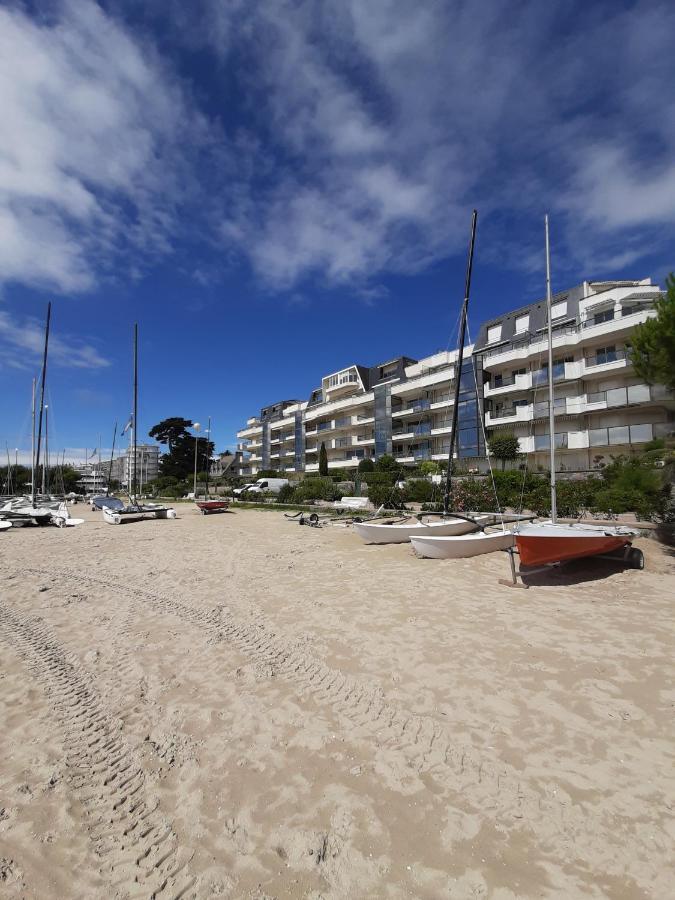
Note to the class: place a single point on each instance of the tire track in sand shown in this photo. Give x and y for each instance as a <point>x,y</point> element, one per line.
<point>138,848</point>
<point>418,742</point>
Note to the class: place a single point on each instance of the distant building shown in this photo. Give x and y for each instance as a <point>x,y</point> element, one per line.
<point>227,465</point>
<point>147,466</point>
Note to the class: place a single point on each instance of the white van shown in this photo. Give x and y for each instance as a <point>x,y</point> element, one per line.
<point>262,484</point>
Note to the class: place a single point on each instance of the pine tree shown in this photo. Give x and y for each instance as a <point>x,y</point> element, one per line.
<point>323,460</point>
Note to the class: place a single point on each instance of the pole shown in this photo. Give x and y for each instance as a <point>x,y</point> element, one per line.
<point>42,386</point>
<point>45,464</point>
<point>551,409</point>
<point>135,415</point>
<point>32,452</point>
<point>460,361</point>
<point>208,457</point>
<point>194,489</point>
<point>8,481</point>
<point>112,456</point>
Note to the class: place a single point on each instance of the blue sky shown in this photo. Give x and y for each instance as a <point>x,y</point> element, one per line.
<point>274,190</point>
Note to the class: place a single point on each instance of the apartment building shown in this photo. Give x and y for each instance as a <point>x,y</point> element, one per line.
<point>147,465</point>
<point>404,406</point>
<point>601,407</point>
<point>401,407</point>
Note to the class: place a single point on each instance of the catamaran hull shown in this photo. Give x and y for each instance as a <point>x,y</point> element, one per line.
<point>117,516</point>
<point>541,545</point>
<point>374,533</point>
<point>462,546</point>
<point>4,526</point>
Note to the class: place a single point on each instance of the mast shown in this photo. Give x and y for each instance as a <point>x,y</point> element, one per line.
<point>42,389</point>
<point>208,459</point>
<point>135,413</point>
<point>112,454</point>
<point>45,465</point>
<point>8,481</point>
<point>551,409</point>
<point>32,452</point>
<point>460,361</point>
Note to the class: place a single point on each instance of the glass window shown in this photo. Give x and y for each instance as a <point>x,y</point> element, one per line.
<point>605,316</point>
<point>522,323</point>
<point>558,310</point>
<point>494,333</point>
<point>468,437</point>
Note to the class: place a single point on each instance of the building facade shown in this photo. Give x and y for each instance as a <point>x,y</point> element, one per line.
<point>403,407</point>
<point>601,407</point>
<point>147,465</point>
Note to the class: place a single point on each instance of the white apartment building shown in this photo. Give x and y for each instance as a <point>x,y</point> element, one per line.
<point>404,406</point>
<point>401,407</point>
<point>602,408</point>
<point>147,465</point>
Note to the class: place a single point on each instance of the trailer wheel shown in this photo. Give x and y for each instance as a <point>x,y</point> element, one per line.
<point>636,558</point>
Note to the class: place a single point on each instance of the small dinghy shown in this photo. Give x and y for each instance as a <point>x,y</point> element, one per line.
<point>399,531</point>
<point>5,525</point>
<point>209,506</point>
<point>462,546</point>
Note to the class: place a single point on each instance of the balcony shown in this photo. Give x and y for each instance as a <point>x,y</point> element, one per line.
<point>508,385</point>
<point>341,384</point>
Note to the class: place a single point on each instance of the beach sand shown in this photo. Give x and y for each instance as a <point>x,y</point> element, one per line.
<point>235,706</point>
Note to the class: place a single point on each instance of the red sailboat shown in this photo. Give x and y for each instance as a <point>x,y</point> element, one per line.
<point>551,542</point>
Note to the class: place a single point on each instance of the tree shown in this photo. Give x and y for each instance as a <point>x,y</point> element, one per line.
<point>366,465</point>
<point>323,459</point>
<point>386,463</point>
<point>653,342</point>
<point>503,446</point>
<point>168,431</point>
<point>429,467</point>
<point>180,460</point>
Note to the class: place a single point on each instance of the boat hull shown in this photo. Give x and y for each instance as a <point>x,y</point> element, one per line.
<point>133,514</point>
<point>462,546</point>
<point>207,506</point>
<point>381,533</point>
<point>541,545</point>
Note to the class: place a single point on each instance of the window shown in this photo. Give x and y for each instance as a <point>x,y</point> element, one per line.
<point>605,316</point>
<point>558,310</point>
<point>494,333</point>
<point>605,355</point>
<point>522,323</point>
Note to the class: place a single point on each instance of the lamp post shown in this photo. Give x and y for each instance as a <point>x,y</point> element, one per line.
<point>196,427</point>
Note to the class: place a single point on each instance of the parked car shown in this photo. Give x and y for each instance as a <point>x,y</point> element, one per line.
<point>262,484</point>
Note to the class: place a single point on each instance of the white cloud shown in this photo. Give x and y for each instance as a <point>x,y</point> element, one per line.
<point>89,123</point>
<point>22,343</point>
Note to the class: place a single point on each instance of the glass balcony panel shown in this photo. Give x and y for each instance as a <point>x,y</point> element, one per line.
<point>639,434</point>
<point>638,393</point>
<point>620,434</point>
<point>616,397</point>
<point>597,437</point>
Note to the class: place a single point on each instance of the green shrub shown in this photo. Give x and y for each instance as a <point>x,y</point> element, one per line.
<point>286,494</point>
<point>387,463</point>
<point>366,465</point>
<point>385,495</point>
<point>317,489</point>
<point>419,490</point>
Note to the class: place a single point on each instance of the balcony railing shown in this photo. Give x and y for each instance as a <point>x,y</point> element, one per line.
<point>620,434</point>
<point>345,420</point>
<point>323,426</point>
<point>543,441</point>
<point>343,442</point>
<point>418,404</point>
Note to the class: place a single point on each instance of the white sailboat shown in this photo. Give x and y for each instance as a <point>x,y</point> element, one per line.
<point>115,514</point>
<point>397,531</point>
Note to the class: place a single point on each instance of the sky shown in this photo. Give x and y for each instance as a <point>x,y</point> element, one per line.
<point>275,190</point>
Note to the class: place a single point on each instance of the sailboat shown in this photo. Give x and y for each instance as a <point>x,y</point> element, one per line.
<point>208,504</point>
<point>20,511</point>
<point>115,513</point>
<point>401,530</point>
<point>540,544</point>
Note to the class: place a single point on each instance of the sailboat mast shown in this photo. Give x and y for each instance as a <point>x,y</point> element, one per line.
<point>45,465</point>
<point>32,451</point>
<point>42,387</point>
<point>112,456</point>
<point>460,361</point>
<point>551,409</point>
<point>208,458</point>
<point>135,415</point>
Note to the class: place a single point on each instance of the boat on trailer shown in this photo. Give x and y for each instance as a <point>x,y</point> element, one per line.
<point>546,543</point>
<point>464,546</point>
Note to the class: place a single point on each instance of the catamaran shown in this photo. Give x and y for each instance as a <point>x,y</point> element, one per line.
<point>401,530</point>
<point>540,544</point>
<point>117,513</point>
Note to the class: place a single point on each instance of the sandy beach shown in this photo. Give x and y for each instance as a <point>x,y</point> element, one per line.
<point>235,706</point>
